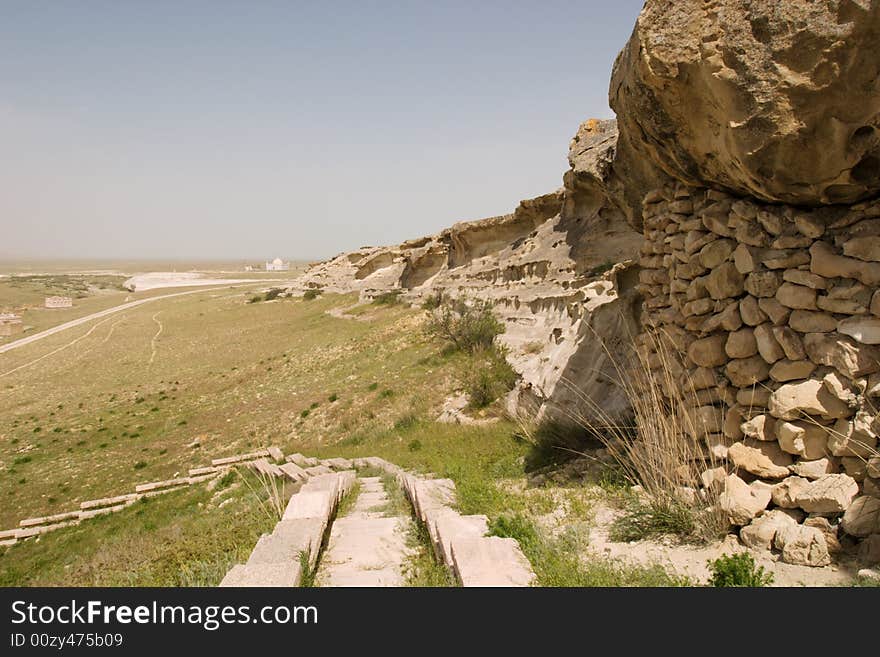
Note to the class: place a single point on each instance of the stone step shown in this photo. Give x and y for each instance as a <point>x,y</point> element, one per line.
<point>8,533</point>
<point>104,510</point>
<point>302,461</point>
<point>108,501</point>
<point>8,541</point>
<point>311,504</point>
<point>365,552</point>
<point>294,472</point>
<point>155,485</point>
<point>263,467</point>
<point>48,520</point>
<point>200,478</point>
<point>241,457</point>
<point>197,472</point>
<point>264,574</point>
<point>451,526</point>
<point>288,540</point>
<point>338,463</point>
<point>162,491</point>
<point>317,470</point>
<point>27,532</point>
<point>490,561</point>
<point>275,453</point>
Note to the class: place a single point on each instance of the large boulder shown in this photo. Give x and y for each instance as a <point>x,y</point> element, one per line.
<point>774,100</point>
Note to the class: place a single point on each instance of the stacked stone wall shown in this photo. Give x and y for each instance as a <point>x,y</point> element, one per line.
<point>775,310</point>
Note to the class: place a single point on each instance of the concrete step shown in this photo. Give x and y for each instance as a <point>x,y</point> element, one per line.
<point>302,461</point>
<point>48,520</point>
<point>27,532</point>
<point>450,526</point>
<point>197,472</point>
<point>241,457</point>
<point>108,501</point>
<point>288,540</point>
<point>156,485</point>
<point>338,463</point>
<point>490,561</point>
<point>294,472</point>
<point>311,504</point>
<point>264,574</point>
<point>365,552</point>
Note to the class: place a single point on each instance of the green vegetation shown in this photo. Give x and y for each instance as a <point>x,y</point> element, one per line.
<point>388,298</point>
<point>466,325</point>
<point>648,518</point>
<point>311,294</point>
<point>181,538</point>
<point>422,569</point>
<point>348,502</point>
<point>600,269</point>
<point>488,376</point>
<point>274,293</point>
<point>738,570</point>
<point>558,561</point>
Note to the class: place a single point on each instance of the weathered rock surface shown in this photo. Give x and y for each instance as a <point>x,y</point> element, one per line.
<point>770,101</point>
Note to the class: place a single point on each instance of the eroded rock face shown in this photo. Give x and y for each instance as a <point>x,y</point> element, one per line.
<point>778,101</point>
<point>559,271</point>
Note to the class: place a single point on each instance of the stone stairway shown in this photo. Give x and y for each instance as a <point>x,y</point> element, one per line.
<point>366,547</point>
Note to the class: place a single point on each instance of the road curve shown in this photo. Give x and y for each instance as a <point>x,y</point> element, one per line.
<point>103,313</point>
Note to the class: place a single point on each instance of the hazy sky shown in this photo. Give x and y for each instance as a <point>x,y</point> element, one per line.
<point>301,129</point>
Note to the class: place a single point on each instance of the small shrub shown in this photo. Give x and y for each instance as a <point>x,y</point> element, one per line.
<point>332,398</point>
<point>140,465</point>
<point>255,299</point>
<point>414,445</point>
<point>311,293</point>
<point>314,405</point>
<point>466,325</point>
<point>405,421</point>
<point>388,392</point>
<point>434,301</point>
<point>372,386</point>
<point>304,413</point>
<point>389,298</point>
<point>273,293</point>
<point>738,570</point>
<point>19,460</point>
<point>598,270</point>
<point>488,376</point>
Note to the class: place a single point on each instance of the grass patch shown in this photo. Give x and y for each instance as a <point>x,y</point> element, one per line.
<point>311,294</point>
<point>738,570</point>
<point>389,298</point>
<point>347,503</point>
<point>558,562</point>
<point>648,518</point>
<point>178,539</point>
<point>422,569</point>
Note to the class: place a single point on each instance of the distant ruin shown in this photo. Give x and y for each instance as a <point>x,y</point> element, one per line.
<point>10,324</point>
<point>59,302</point>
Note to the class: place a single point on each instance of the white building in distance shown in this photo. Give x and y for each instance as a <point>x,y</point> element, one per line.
<point>277,265</point>
<point>59,302</point>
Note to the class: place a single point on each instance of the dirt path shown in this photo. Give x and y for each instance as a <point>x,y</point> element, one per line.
<point>55,351</point>
<point>155,338</point>
<point>103,313</point>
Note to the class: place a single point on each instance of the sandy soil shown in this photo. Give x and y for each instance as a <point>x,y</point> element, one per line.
<point>691,561</point>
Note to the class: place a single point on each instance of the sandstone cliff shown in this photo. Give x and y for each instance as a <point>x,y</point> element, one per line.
<point>558,269</point>
<point>747,154</point>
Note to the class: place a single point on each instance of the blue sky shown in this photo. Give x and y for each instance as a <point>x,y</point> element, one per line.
<point>248,129</point>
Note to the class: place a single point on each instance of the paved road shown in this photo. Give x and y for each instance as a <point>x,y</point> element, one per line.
<point>115,309</point>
